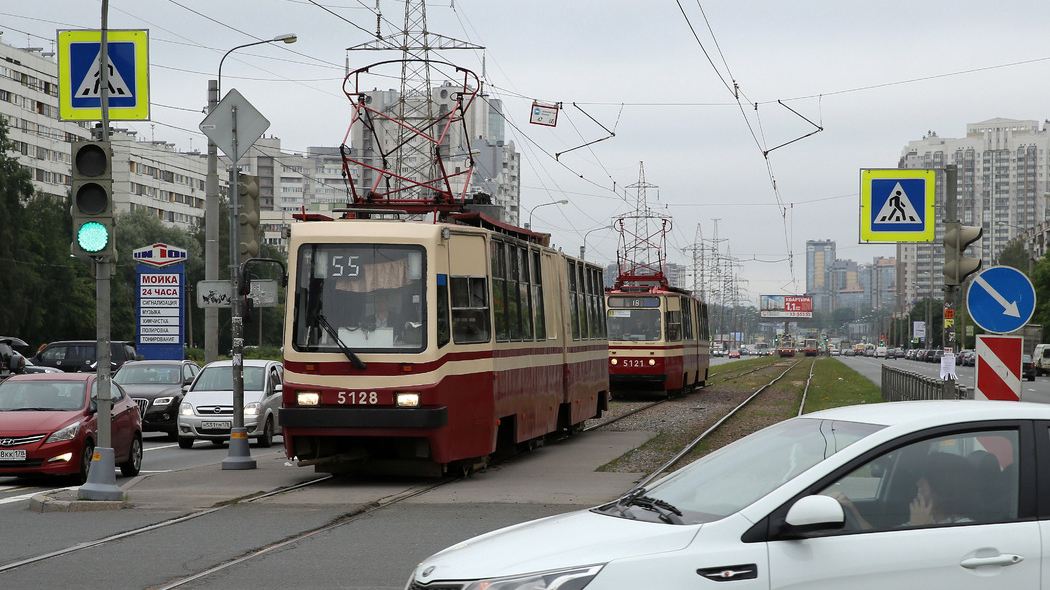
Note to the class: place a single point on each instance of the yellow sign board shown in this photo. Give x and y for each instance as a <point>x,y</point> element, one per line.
<point>79,79</point>
<point>897,205</point>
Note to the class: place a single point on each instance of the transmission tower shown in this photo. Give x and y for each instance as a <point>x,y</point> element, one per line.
<point>415,170</point>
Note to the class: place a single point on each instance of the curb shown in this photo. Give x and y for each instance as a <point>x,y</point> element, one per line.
<point>49,503</point>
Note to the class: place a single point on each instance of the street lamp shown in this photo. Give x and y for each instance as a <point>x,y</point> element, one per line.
<point>211,209</point>
<point>240,455</point>
<point>561,202</point>
<point>287,38</point>
<point>583,248</point>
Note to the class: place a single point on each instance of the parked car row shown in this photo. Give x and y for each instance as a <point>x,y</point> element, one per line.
<point>49,421</point>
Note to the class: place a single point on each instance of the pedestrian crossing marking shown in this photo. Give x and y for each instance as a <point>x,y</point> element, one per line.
<point>91,85</point>
<point>898,209</point>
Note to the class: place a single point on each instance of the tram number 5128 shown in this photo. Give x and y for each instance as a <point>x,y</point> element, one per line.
<point>358,397</point>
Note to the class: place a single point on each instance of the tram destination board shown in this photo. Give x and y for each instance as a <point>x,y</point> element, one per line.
<point>627,301</point>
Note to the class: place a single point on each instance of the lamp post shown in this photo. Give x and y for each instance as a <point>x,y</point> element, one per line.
<point>561,202</point>
<point>211,210</point>
<point>583,248</point>
<point>240,454</point>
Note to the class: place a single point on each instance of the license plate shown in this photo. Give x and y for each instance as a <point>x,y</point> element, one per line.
<point>12,455</point>
<point>215,425</point>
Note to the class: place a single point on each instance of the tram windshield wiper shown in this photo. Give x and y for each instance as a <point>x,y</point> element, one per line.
<point>323,322</point>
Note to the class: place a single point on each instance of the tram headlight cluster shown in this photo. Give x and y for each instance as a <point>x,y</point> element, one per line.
<point>407,400</point>
<point>308,398</point>
<point>652,362</point>
<point>614,361</point>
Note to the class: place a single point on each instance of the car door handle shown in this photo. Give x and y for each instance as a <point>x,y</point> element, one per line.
<point>1004,559</point>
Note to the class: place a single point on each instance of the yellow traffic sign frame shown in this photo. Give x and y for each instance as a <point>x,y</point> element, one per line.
<point>871,204</point>
<point>67,87</point>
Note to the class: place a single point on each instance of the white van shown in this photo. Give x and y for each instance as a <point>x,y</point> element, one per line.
<point>1041,359</point>
<point>880,352</point>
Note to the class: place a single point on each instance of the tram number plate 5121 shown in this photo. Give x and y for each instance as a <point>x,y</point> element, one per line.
<point>633,363</point>
<point>357,398</point>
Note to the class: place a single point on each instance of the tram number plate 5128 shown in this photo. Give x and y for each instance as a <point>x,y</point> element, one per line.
<point>357,398</point>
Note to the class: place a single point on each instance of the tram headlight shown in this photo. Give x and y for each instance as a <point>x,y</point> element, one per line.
<point>408,400</point>
<point>652,362</point>
<point>614,361</point>
<point>308,398</point>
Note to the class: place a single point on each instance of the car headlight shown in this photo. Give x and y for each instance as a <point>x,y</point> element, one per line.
<point>252,409</point>
<point>64,434</point>
<point>566,579</point>
<point>162,401</point>
<point>186,409</point>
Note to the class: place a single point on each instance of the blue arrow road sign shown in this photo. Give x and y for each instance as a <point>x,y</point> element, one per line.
<point>1001,299</point>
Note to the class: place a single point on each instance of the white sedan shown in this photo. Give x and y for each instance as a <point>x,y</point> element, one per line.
<point>940,494</point>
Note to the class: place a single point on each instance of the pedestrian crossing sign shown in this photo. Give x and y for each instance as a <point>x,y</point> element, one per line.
<point>80,80</point>
<point>897,205</point>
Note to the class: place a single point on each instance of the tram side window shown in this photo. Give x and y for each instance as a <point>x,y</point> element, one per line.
<point>537,296</point>
<point>687,317</point>
<point>523,293</point>
<point>601,304</point>
<point>674,326</point>
<point>513,295</point>
<point>574,313</point>
<point>470,310</point>
<point>444,334</point>
<point>499,297</point>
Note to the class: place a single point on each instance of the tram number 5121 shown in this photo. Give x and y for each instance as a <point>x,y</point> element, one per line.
<point>357,397</point>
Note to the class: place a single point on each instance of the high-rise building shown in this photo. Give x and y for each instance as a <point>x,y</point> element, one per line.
<point>1001,182</point>
<point>820,257</point>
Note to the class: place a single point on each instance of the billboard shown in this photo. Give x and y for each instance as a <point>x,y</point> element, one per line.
<point>787,306</point>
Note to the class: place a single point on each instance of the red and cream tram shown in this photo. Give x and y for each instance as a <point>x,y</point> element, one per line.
<point>426,347</point>
<point>658,338</point>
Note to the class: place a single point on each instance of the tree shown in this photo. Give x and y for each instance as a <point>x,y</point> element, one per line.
<point>16,189</point>
<point>1015,255</point>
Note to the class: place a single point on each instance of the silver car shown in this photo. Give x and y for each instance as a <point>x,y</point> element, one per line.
<point>207,409</point>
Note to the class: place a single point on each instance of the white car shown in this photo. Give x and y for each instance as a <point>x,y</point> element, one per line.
<point>938,494</point>
<point>206,411</point>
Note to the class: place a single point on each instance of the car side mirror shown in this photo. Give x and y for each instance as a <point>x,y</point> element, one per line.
<point>278,388</point>
<point>813,514</point>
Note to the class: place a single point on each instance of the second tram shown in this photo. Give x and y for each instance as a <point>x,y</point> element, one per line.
<point>658,338</point>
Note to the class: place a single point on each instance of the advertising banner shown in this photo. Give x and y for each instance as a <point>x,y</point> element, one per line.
<point>787,306</point>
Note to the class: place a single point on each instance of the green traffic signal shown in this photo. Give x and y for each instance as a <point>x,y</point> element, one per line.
<point>93,236</point>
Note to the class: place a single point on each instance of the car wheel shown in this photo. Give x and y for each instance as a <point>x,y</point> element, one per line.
<point>131,467</point>
<point>266,440</point>
<point>86,456</point>
<point>185,443</point>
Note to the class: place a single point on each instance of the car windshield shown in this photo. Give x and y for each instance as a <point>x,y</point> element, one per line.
<point>731,478</point>
<point>361,297</point>
<point>220,378</point>
<point>61,396</point>
<point>148,375</point>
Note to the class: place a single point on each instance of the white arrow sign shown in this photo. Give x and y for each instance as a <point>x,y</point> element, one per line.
<point>1010,308</point>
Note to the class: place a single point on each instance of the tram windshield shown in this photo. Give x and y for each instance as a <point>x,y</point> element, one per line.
<point>634,324</point>
<point>361,297</point>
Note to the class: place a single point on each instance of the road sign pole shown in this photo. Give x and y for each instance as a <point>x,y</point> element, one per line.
<point>951,215</point>
<point>240,453</point>
<point>211,233</point>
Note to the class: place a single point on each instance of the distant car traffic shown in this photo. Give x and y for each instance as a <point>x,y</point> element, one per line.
<point>157,387</point>
<point>49,425</point>
<point>206,411</point>
<point>1027,367</point>
<point>891,495</point>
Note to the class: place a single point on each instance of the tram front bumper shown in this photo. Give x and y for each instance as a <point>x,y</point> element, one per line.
<point>422,418</point>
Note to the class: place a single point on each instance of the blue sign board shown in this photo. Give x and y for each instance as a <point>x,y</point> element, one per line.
<point>1001,299</point>
<point>897,205</point>
<point>161,311</point>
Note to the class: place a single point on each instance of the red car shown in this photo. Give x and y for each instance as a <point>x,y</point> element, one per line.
<point>48,425</point>
<point>734,354</point>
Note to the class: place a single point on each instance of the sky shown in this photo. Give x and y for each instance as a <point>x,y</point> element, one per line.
<point>751,119</point>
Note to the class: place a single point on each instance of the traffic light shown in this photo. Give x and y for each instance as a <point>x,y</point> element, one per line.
<point>956,238</point>
<point>92,197</point>
<point>248,217</point>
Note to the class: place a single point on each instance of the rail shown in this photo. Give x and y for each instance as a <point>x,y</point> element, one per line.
<point>900,385</point>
